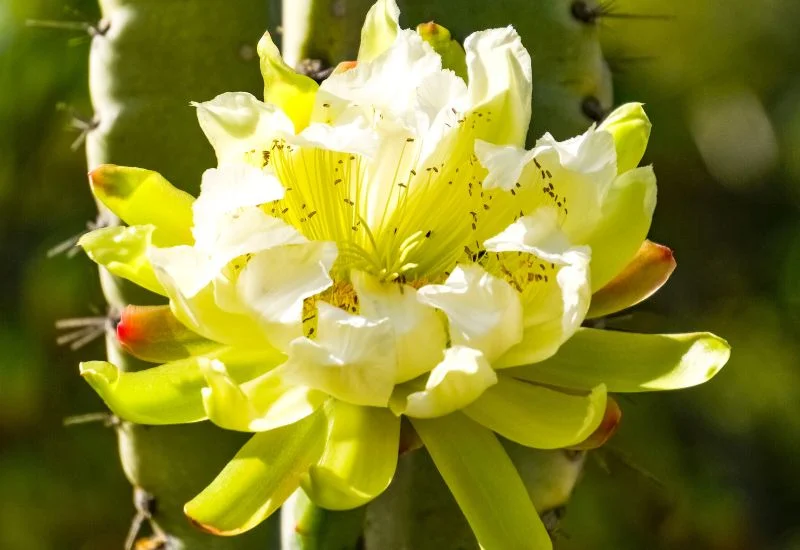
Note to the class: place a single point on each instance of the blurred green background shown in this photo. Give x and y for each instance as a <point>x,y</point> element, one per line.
<point>709,468</point>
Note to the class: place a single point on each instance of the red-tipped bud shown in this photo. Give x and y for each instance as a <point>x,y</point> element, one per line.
<point>606,429</point>
<point>641,278</point>
<point>152,333</point>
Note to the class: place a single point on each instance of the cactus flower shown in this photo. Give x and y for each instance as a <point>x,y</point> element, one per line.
<point>382,245</point>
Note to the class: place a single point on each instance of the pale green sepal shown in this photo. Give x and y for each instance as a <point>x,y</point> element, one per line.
<point>629,362</point>
<point>379,30</point>
<point>141,197</point>
<point>631,130</point>
<point>257,405</point>
<point>452,53</point>
<point>536,416</point>
<point>123,251</point>
<point>624,223</point>
<point>484,482</point>
<point>168,394</point>
<point>294,93</point>
<point>259,478</point>
<point>359,459</point>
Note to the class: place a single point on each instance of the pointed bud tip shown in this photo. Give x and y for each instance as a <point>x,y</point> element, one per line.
<point>111,180</point>
<point>665,255</point>
<point>103,176</point>
<point>345,66</point>
<point>126,328</point>
<point>433,31</point>
<point>607,428</point>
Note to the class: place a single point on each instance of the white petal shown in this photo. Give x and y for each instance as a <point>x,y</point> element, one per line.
<point>352,359</point>
<point>574,176</point>
<point>420,336</point>
<point>438,94</point>
<point>275,282</point>
<point>500,80</point>
<point>246,231</point>
<point>504,163</point>
<point>345,137</point>
<point>385,87</point>
<point>539,234</point>
<point>553,310</point>
<point>227,189</point>
<point>187,268</point>
<point>457,381</point>
<point>484,311</point>
<point>236,123</point>
<point>592,152</point>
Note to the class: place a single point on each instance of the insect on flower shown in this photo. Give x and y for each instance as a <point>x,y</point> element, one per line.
<point>382,245</point>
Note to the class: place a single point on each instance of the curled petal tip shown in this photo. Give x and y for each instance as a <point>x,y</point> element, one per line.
<point>99,372</point>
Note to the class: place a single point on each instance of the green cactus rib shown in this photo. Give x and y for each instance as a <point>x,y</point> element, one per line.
<point>153,58</point>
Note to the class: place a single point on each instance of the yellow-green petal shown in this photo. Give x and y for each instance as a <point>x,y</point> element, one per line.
<point>258,405</point>
<point>141,197</point>
<point>484,482</point>
<point>123,251</point>
<point>259,478</point>
<point>168,394</point>
<point>629,362</point>
<point>631,130</point>
<point>379,30</point>
<point>294,93</point>
<point>153,333</point>
<point>624,223</point>
<point>536,416</point>
<point>359,459</point>
<point>452,53</point>
<point>643,276</point>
